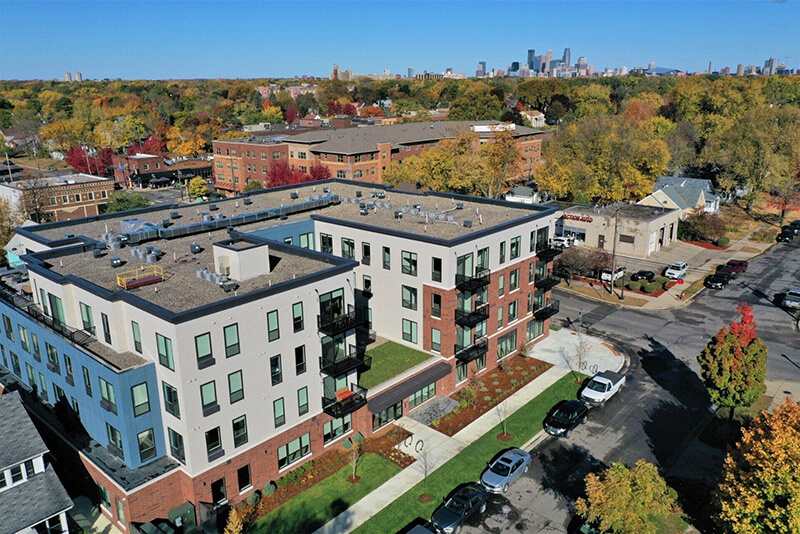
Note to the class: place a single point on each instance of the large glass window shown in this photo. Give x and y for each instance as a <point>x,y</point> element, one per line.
<point>86,318</point>
<point>297,316</point>
<point>307,240</point>
<point>501,285</point>
<point>231,335</point>
<point>461,371</point>
<point>499,317</point>
<point>236,386</point>
<point>436,340</point>
<point>515,247</point>
<point>294,450</point>
<point>366,253</point>
<point>171,403</point>
<point>480,362</point>
<point>106,328</point>
<point>272,326</point>
<point>87,381</point>
<point>164,345</point>
<point>409,263</point>
<point>535,329</point>
<point>506,344</point>
<point>141,399</point>
<point>278,412</point>
<point>147,445</point>
<point>243,477</point>
<point>348,248</point>
<point>409,331</point>
<point>137,337</point>
<point>436,305</point>
<point>336,428</point>
<point>483,259</point>
<point>409,295</point>
<point>52,358</point>
<point>502,252</point>
<point>15,364</point>
<point>108,395</point>
<point>23,338</point>
<point>512,312</point>
<point>436,269</point>
<point>239,431</point>
<point>384,417</point>
<point>302,400</point>
<point>326,243</point>
<point>176,446</point>
<point>202,348</point>
<point>276,370</point>
<point>424,394</point>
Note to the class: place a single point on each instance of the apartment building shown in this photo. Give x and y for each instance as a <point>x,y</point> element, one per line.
<point>59,198</point>
<point>128,167</point>
<point>355,153</point>
<point>200,352</point>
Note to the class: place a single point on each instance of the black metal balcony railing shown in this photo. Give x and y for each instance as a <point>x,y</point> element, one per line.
<point>548,310</point>
<point>472,352</point>
<point>546,252</point>
<point>345,402</point>
<point>546,282</point>
<point>470,318</point>
<point>336,324</point>
<point>466,282</point>
<point>337,366</point>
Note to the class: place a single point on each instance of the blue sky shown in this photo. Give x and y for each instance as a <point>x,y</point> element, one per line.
<point>238,39</point>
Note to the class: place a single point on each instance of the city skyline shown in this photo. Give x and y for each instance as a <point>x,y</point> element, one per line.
<point>213,41</point>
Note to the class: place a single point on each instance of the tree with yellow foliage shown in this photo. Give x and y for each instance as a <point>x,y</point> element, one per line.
<point>66,134</point>
<point>235,524</point>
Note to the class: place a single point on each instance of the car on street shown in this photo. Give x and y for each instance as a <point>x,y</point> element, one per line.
<point>505,470</point>
<point>564,417</point>
<point>795,223</point>
<point>733,268</point>
<point>785,237</point>
<point>602,387</point>
<point>643,276</point>
<point>791,299</point>
<point>676,270</point>
<point>619,272</point>
<point>563,241</point>
<point>794,230</point>
<point>717,281</point>
<point>459,506</point>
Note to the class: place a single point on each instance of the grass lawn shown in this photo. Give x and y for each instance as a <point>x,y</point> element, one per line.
<point>389,360</point>
<point>44,163</point>
<point>319,504</point>
<point>719,433</point>
<point>469,463</point>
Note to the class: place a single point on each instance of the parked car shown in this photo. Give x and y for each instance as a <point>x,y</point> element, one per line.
<point>563,241</point>
<point>795,223</point>
<point>785,237</point>
<point>646,276</point>
<point>794,230</point>
<point>584,527</point>
<point>676,270</point>
<point>732,268</point>
<point>450,516</point>
<point>505,470</point>
<point>605,276</point>
<point>564,417</point>
<point>602,387</point>
<point>792,299</point>
<point>717,281</point>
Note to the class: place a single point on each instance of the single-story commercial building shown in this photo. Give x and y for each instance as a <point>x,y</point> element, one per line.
<point>641,230</point>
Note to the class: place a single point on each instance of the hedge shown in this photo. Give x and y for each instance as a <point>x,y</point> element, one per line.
<point>723,241</point>
<point>634,286</point>
<point>619,282</point>
<point>661,280</point>
<point>652,287</point>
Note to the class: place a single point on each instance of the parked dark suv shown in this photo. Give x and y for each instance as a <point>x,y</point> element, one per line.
<point>564,417</point>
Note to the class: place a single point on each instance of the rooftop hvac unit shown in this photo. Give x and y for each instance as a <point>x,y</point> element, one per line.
<point>362,204</point>
<point>404,209</point>
<point>97,253</point>
<point>379,204</point>
<point>175,214</point>
<point>228,286</point>
<point>213,206</point>
<point>201,273</point>
<point>124,238</point>
<point>450,218</point>
<point>467,223</point>
<point>326,189</point>
<point>247,201</point>
<point>417,206</point>
<point>195,248</point>
<point>134,251</point>
<point>158,252</point>
<point>388,205</point>
<point>294,195</point>
<point>141,254</point>
<point>414,211</point>
<point>459,205</point>
<point>358,193</point>
<point>165,223</point>
<point>116,262</point>
<point>115,245</point>
<point>381,194</point>
<point>371,205</point>
<point>210,276</point>
<point>398,214</point>
<point>106,236</point>
<point>207,217</point>
<point>364,211</point>
<point>152,257</point>
<point>149,248</point>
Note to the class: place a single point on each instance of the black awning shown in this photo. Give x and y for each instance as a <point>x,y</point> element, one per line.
<point>408,387</point>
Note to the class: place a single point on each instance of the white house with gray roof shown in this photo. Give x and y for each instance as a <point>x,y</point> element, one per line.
<point>686,194</point>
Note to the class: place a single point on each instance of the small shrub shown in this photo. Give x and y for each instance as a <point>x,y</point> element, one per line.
<point>652,287</point>
<point>619,282</point>
<point>765,235</point>
<point>270,488</point>
<point>487,398</point>
<point>661,280</point>
<point>634,286</point>
<point>723,241</point>
<point>468,394</point>
<point>254,498</point>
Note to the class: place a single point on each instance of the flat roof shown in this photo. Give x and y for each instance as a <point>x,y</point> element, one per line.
<point>634,212</point>
<point>55,181</point>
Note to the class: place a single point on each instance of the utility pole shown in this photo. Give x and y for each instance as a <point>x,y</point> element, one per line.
<point>614,250</point>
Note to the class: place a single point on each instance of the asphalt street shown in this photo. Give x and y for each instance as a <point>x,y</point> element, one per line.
<point>664,404</point>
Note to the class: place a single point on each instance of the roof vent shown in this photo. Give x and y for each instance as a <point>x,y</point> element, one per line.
<point>358,195</point>
<point>247,201</point>
<point>97,253</point>
<point>175,214</point>
<point>398,214</point>
<point>116,262</point>
<point>467,223</point>
<point>294,195</point>
<point>213,206</point>
<point>165,223</point>
<point>326,189</point>
<point>459,205</point>
<point>195,248</point>
<point>381,194</point>
<point>362,205</point>
<point>417,206</point>
<point>364,211</point>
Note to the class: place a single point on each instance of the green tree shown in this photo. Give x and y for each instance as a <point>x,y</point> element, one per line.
<point>252,185</point>
<point>502,162</point>
<point>539,93</point>
<point>477,103</point>
<point>592,99</point>
<point>760,488</point>
<point>125,201</point>
<point>734,364</point>
<point>627,501</point>
<point>198,187</point>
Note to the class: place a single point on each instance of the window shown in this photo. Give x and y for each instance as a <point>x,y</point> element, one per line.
<point>367,284</point>
<point>59,393</point>
<point>115,441</point>
<point>108,396</point>
<point>515,247</point>
<point>176,446</point>
<point>147,444</point>
<point>273,332</point>
<point>16,474</point>
<point>278,412</point>
<point>531,272</point>
<point>341,174</point>
<point>358,174</point>
<point>409,297</point>
<point>87,382</point>
<point>501,283</point>
<point>409,263</point>
<point>9,327</point>
<point>512,312</point>
<point>480,362</point>
<point>164,345</point>
<point>141,400</point>
<point>483,259</point>
<point>231,335</point>
<point>294,450</point>
<point>23,338</point>
<point>366,253</point>
<point>307,240</point>
<point>35,346</point>
<point>42,387</point>
<point>424,394</point>
<point>239,431</point>
<point>387,258</point>
<point>288,240</point>
<point>336,428</point>
<point>202,348</point>
<point>461,371</point>
<point>502,252</point>
<point>506,344</point>
<point>499,317</point>
<point>29,470</point>
<point>436,305</point>
<point>409,331</point>
<point>236,386</point>
<point>297,316</point>
<point>243,477</point>
<point>171,403</point>
<point>534,330</point>
<point>31,375</point>
<point>120,511</point>
<point>626,238</point>
<point>302,400</point>
<point>137,337</point>
<point>436,340</point>
<point>105,499</point>
<point>15,364</point>
<point>513,280</point>
<point>52,358</point>
<point>326,243</point>
<point>436,269</point>
<point>275,370</point>
<point>348,249</point>
<point>106,328</point>
<point>208,397</point>
<point>339,158</point>
<point>86,318</point>
<point>384,417</point>
<point>214,443</point>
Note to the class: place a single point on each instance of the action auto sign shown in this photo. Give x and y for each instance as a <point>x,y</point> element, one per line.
<point>582,218</point>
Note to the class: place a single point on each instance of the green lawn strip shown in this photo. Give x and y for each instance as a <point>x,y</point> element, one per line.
<point>469,463</point>
<point>322,502</point>
<point>389,360</point>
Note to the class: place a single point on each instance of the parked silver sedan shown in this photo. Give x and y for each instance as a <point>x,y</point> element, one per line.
<point>505,470</point>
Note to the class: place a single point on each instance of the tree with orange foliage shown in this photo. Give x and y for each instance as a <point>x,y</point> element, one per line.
<point>734,364</point>
<point>760,488</point>
<point>371,111</point>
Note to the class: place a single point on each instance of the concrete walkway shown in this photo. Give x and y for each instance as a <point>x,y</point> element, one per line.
<point>427,445</point>
<point>90,518</point>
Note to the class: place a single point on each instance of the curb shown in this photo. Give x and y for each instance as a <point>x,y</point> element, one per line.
<point>535,440</point>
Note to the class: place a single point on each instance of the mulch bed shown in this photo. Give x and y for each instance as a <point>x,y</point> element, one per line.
<point>654,294</point>
<point>488,390</point>
<point>707,245</point>
<point>504,436</point>
<point>384,445</point>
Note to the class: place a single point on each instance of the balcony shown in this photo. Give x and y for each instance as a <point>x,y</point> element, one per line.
<point>548,310</point>
<point>345,401</point>
<point>469,319</point>
<point>546,252</point>
<point>547,282</point>
<point>330,325</point>
<point>355,357</point>
<point>465,282</point>
<point>472,352</point>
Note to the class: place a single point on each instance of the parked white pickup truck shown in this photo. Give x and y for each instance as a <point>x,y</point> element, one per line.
<point>602,387</point>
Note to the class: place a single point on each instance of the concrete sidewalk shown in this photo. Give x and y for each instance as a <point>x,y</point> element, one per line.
<point>561,348</point>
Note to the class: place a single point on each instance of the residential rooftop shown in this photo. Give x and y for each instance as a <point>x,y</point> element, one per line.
<point>21,441</point>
